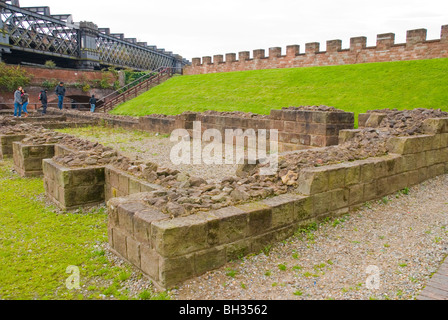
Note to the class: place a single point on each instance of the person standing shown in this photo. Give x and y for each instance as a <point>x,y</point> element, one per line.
<point>18,103</point>
<point>44,100</point>
<point>25,102</point>
<point>92,103</point>
<point>60,92</point>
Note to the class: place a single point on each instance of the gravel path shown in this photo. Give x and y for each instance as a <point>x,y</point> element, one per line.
<point>149,147</point>
<point>402,238</point>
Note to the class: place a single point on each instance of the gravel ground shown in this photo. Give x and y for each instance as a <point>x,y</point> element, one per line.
<point>148,147</point>
<point>403,237</point>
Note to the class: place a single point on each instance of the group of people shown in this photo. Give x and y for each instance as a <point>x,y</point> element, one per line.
<point>21,100</point>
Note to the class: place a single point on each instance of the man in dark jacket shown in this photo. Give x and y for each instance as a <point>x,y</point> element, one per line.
<point>60,92</point>
<point>92,103</point>
<point>44,100</point>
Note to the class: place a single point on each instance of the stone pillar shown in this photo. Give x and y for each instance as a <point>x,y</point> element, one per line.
<point>195,62</point>
<point>292,50</point>
<point>4,38</point>
<point>230,57</point>
<point>385,41</point>
<point>259,54</point>
<point>358,43</point>
<point>244,55</point>
<point>444,33</point>
<point>275,52</point>
<point>89,55</point>
<point>334,45</point>
<point>312,48</point>
<point>206,60</point>
<point>415,36</point>
<point>219,58</point>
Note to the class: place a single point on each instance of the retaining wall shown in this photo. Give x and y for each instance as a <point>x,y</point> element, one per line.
<point>170,251</point>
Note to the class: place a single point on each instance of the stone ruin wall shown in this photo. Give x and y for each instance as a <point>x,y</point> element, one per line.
<point>417,47</point>
<point>169,230</point>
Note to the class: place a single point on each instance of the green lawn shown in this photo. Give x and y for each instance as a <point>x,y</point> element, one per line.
<point>355,88</point>
<point>37,244</point>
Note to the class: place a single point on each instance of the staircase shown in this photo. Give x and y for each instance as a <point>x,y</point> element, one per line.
<point>135,88</point>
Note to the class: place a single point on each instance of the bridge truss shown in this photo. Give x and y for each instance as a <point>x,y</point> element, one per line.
<point>34,32</point>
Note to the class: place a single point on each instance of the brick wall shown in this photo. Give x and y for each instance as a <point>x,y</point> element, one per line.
<point>415,48</point>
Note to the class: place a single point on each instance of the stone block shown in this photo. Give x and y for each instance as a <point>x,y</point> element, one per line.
<point>374,120</point>
<point>368,172</point>
<point>313,180</point>
<point>303,208</point>
<point>149,262</point>
<point>174,270</point>
<point>231,225</point>
<point>336,176</point>
<point>397,182</point>
<point>126,213</point>
<point>352,173</point>
<point>142,223</point>
<point>322,202</point>
<point>260,242</point>
<point>356,194</point>
<point>260,217</point>
<point>362,119</point>
<point>413,178</point>
<point>238,249</point>
<point>408,145</point>
<point>282,208</point>
<point>210,259</point>
<point>133,251</point>
<point>181,236</point>
<point>423,174</point>
<point>370,191</point>
<point>436,170</point>
<point>119,243</point>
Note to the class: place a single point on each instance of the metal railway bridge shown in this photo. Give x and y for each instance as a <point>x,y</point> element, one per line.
<point>33,35</point>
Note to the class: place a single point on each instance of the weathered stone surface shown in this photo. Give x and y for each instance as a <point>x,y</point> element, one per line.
<point>182,235</point>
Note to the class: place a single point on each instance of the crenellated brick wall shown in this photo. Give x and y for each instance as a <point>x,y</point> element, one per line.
<point>417,47</point>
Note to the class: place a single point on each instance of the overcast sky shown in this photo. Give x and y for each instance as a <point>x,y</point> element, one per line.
<point>196,28</point>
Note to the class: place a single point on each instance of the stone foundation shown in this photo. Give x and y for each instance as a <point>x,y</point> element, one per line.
<point>120,184</point>
<point>170,251</point>
<point>71,188</point>
<point>28,158</point>
<point>6,141</point>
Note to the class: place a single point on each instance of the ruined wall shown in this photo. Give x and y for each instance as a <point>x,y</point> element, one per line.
<point>296,126</point>
<point>415,48</point>
<point>170,251</point>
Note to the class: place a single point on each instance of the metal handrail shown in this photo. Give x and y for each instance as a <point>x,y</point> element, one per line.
<point>161,72</point>
<point>130,85</point>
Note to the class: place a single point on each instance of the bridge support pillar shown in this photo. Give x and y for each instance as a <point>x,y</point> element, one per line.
<point>89,55</point>
<point>4,38</point>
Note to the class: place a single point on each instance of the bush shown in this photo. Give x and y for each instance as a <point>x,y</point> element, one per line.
<point>86,87</point>
<point>50,64</point>
<point>50,84</point>
<point>11,77</point>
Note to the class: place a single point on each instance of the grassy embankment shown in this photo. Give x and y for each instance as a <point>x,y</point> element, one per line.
<point>354,88</point>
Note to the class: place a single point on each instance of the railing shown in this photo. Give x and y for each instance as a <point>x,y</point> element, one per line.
<point>135,88</point>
